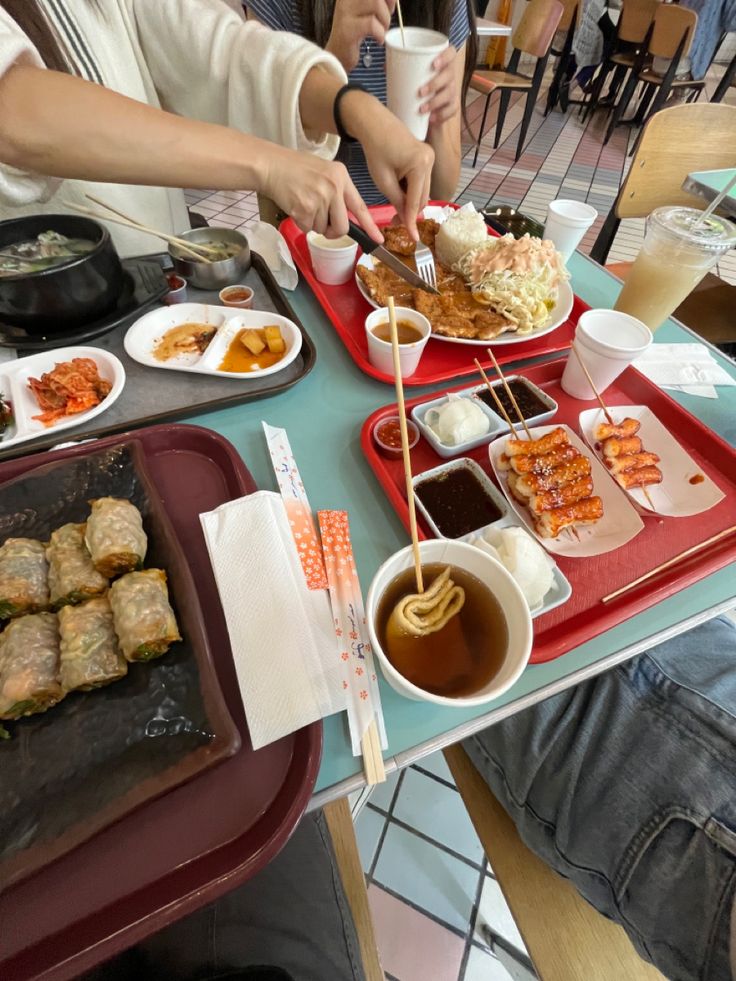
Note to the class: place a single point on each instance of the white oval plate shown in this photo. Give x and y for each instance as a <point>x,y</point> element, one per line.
<point>141,338</point>
<point>557,317</point>
<point>675,497</point>
<point>14,377</point>
<point>619,524</point>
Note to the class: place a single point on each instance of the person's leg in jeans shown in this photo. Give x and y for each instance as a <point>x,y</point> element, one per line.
<point>626,785</point>
<point>289,923</point>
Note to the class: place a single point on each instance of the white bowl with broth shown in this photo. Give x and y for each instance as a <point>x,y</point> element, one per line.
<point>499,645</point>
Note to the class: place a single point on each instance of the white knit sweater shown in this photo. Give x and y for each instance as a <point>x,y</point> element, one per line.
<point>197,58</point>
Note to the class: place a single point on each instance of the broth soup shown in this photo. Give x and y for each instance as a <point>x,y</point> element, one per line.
<point>461,658</point>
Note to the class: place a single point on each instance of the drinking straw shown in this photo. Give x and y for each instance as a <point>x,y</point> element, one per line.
<point>401,23</point>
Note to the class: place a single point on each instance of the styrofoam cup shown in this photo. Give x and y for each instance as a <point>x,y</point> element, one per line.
<point>567,222</point>
<point>380,353</point>
<point>333,259</point>
<point>408,69</point>
<point>503,586</point>
<point>607,341</point>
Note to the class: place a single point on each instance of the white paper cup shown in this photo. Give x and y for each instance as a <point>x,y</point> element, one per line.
<point>607,341</point>
<point>567,222</point>
<point>380,353</point>
<point>333,259</point>
<point>501,583</point>
<point>408,69</point>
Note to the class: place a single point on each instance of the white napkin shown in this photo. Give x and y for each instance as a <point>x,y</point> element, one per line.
<point>270,243</point>
<point>687,368</point>
<point>281,633</point>
<point>440,213</point>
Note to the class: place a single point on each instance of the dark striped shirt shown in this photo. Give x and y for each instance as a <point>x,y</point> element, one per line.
<point>284,15</point>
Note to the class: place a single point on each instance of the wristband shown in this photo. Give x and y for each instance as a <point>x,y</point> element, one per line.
<point>337,116</point>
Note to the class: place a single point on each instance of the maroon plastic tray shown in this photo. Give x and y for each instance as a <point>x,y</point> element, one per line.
<point>347,309</point>
<point>584,616</point>
<point>198,841</point>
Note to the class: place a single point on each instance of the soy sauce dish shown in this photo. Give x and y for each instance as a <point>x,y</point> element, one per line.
<point>478,654</point>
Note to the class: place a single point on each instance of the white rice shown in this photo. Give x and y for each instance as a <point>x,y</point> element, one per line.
<point>463,231</point>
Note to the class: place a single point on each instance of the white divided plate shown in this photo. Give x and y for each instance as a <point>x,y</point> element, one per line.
<point>14,377</point>
<point>557,316</point>
<point>619,524</point>
<point>675,497</point>
<point>561,590</point>
<point>141,338</point>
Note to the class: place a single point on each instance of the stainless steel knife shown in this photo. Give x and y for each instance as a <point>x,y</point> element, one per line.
<point>370,247</point>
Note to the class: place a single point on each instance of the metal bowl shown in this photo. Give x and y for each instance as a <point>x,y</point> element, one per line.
<point>212,275</point>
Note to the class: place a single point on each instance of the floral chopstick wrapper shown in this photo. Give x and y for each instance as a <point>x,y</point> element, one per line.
<point>364,707</point>
<point>297,507</point>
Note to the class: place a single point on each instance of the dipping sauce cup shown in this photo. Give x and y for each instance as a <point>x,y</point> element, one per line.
<point>237,296</point>
<point>676,254</point>
<point>177,289</point>
<point>607,341</point>
<point>387,434</point>
<point>567,222</point>
<point>333,259</point>
<point>408,69</point>
<point>380,353</point>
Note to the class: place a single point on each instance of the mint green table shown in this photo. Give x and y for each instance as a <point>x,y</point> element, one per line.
<point>323,416</point>
<point>709,184</point>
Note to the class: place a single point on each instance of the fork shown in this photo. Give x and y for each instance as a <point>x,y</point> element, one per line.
<point>425,265</point>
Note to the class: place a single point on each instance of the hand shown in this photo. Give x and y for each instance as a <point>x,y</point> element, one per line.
<point>400,165</point>
<point>316,193</point>
<point>353,21</point>
<point>442,92</point>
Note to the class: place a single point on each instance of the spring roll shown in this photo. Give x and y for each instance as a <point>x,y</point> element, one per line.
<point>115,536</point>
<point>144,621</point>
<point>29,666</point>
<point>72,576</point>
<point>23,577</point>
<point>90,653</point>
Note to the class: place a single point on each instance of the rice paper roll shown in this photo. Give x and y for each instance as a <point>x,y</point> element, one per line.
<point>72,575</point>
<point>90,653</point>
<point>144,621</point>
<point>29,666</point>
<point>115,536</point>
<point>23,577</point>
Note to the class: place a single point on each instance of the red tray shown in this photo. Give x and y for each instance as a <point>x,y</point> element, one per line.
<point>347,310</point>
<point>197,842</point>
<point>584,616</point>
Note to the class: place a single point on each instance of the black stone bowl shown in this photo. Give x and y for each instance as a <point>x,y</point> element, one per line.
<point>64,296</point>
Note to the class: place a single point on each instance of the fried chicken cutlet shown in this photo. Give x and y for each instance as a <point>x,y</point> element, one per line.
<point>398,241</point>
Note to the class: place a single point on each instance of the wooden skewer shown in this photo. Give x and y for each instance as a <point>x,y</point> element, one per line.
<point>401,22</point>
<point>595,391</point>
<point>670,562</point>
<point>499,404</point>
<point>405,445</point>
<point>171,239</point>
<point>196,246</point>
<point>510,394</point>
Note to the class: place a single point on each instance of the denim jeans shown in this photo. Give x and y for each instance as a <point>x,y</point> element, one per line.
<point>626,785</point>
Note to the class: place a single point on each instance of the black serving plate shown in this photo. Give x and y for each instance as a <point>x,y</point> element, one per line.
<point>71,771</point>
<point>504,219</point>
<point>144,282</point>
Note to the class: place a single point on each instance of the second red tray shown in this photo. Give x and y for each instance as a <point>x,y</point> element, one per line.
<point>347,309</point>
<point>584,616</point>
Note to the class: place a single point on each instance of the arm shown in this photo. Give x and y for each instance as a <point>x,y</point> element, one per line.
<point>445,136</point>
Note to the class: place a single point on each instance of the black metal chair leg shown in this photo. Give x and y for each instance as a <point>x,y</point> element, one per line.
<point>503,104</point>
<point>528,110</point>
<point>725,81</point>
<point>644,103</point>
<point>594,97</point>
<point>602,246</point>
<point>621,105</point>
<point>482,127</point>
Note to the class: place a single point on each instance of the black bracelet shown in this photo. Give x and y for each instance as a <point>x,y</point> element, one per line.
<point>337,116</point>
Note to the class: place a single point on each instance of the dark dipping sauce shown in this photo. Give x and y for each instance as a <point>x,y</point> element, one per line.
<point>530,405</point>
<point>457,502</point>
<point>463,657</point>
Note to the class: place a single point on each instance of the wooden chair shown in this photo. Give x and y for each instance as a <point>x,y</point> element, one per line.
<point>342,832</point>
<point>566,938</point>
<point>670,37</point>
<point>567,27</point>
<point>533,36</point>
<point>674,143</point>
<point>632,33</point>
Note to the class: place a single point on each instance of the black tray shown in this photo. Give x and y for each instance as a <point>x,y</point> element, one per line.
<point>153,395</point>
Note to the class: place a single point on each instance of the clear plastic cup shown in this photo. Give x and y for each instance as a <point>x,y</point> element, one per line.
<point>676,254</point>
<point>408,68</point>
<point>607,341</point>
<point>567,222</point>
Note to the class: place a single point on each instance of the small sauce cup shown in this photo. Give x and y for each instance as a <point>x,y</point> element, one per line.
<point>387,435</point>
<point>333,259</point>
<point>237,296</point>
<point>380,353</point>
<point>177,289</point>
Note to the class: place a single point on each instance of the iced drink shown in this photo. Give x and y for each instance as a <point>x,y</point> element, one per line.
<point>675,256</point>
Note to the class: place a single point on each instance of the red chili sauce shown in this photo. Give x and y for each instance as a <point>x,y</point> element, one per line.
<point>236,295</point>
<point>698,478</point>
<point>389,433</point>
